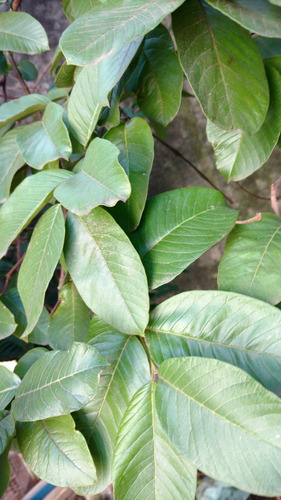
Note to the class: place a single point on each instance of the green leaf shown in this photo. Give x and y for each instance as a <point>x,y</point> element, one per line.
<point>7,429</point>
<point>11,162</point>
<point>177,227</point>
<point>65,75</point>
<point>107,271</point>
<point>76,8</point>
<point>22,108</point>
<point>160,80</point>
<point>28,70</point>
<point>25,203</point>
<point>56,452</point>
<point>28,359</point>
<point>238,155</point>
<point>275,2</point>
<point>223,421</point>
<point>254,15</point>
<point>57,58</point>
<point>268,46</point>
<point>91,89</point>
<point>59,383</point>
<point>135,142</point>
<point>252,259</point>
<point>46,140</point>
<point>100,181</point>
<point>144,455</point>
<point>70,322</point>
<point>231,327</point>
<point>12,300</point>
<point>99,421</point>
<point>7,322</point>
<point>40,262</point>
<point>4,68</point>
<point>110,26</point>
<point>4,470</point>
<point>231,88</point>
<point>9,383</point>
<point>20,32</point>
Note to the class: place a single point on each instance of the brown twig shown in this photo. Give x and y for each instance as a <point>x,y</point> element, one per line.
<point>60,285</point>
<point>250,193</point>
<point>40,78</point>
<point>180,155</point>
<point>16,70</point>
<point>11,272</point>
<point>16,5</point>
<point>273,196</point>
<point>256,218</point>
<point>3,85</point>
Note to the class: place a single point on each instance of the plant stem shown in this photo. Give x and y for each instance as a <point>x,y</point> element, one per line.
<point>256,218</point>
<point>273,196</point>
<point>16,70</point>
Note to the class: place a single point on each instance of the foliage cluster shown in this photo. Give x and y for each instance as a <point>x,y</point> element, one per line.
<point>104,390</point>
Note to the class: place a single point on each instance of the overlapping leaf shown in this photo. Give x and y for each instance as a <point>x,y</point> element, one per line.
<point>99,421</point>
<point>11,162</point>
<point>59,383</point>
<point>91,89</point>
<point>238,155</point>
<point>76,8</point>
<point>56,452</point>
<point>255,15</point>
<point>110,26</point>
<point>25,203</point>
<point>231,327</point>
<point>46,140</point>
<point>9,383</point>
<point>7,322</point>
<point>4,470</point>
<point>100,181</point>
<point>22,107</point>
<point>7,429</point>
<point>70,322</point>
<point>223,421</point>
<point>107,271</point>
<point>20,32</point>
<point>12,300</point>
<point>135,142</point>
<point>252,259</point>
<point>177,227</point>
<point>65,76</point>
<point>40,261</point>
<point>28,359</point>
<point>145,456</point>
<point>160,80</point>
<point>231,88</point>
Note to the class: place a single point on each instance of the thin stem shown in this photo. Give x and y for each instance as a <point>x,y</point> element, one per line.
<point>254,195</point>
<point>40,78</point>
<point>256,218</point>
<point>180,155</point>
<point>16,70</point>
<point>11,272</point>
<point>16,5</point>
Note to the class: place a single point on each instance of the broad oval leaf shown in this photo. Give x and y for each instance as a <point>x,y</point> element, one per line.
<point>65,76</point>
<point>7,429</point>
<point>25,203</point>
<point>91,89</point>
<point>20,32</point>
<point>70,321</point>
<point>28,359</point>
<point>28,70</point>
<point>46,140</point>
<point>110,26</point>
<point>238,155</point>
<point>232,89</point>
<point>4,470</point>
<point>12,300</point>
<point>107,271</point>
<point>252,259</point>
<point>100,181</point>
<point>99,421</point>
<point>243,448</point>
<point>56,452</point>
<point>177,227</point>
<point>160,80</point>
<point>231,327</point>
<point>22,108</point>
<point>58,383</point>
<point>40,262</point>
<point>135,142</point>
<point>255,15</point>
<point>9,382</point>
<point>7,322</point>
<point>11,162</point>
<point>145,456</point>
